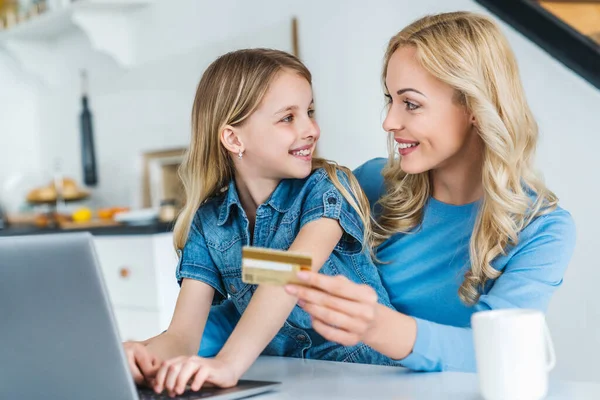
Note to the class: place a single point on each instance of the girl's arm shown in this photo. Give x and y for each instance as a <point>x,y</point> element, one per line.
<point>267,311</point>
<point>185,330</point>
<point>200,282</point>
<point>271,305</point>
<point>181,338</point>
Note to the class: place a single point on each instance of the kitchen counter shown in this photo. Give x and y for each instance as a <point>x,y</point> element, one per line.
<point>159,227</point>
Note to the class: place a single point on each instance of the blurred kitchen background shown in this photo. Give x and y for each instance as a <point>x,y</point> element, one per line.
<point>137,63</point>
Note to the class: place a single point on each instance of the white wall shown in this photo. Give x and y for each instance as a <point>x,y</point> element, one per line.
<point>19,132</point>
<point>342,43</point>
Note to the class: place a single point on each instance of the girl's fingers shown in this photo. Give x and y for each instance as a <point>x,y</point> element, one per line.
<point>172,374</point>
<point>146,362</point>
<point>161,375</point>
<point>135,371</point>
<point>188,370</point>
<point>200,378</point>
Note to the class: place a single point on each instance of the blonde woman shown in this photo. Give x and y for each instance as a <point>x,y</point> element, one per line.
<point>464,222</point>
<point>251,179</point>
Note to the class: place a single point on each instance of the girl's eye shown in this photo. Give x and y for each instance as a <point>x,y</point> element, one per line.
<point>311,113</point>
<point>289,118</point>
<point>388,98</point>
<point>410,106</point>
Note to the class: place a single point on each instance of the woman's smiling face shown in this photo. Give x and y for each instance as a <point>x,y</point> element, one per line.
<point>430,125</point>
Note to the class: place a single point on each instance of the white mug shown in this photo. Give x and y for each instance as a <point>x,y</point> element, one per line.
<point>514,354</point>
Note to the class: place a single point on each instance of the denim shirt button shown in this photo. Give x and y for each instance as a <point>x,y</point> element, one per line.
<point>332,200</point>
<point>301,338</point>
<point>232,288</point>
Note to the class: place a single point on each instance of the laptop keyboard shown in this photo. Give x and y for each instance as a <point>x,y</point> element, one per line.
<point>149,394</point>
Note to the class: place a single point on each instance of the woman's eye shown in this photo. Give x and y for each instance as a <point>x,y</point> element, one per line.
<point>289,118</point>
<point>410,106</point>
<point>311,113</point>
<point>388,99</point>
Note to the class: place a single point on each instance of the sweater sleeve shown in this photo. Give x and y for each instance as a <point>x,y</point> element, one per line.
<point>533,271</point>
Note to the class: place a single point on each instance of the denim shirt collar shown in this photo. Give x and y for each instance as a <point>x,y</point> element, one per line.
<point>231,198</point>
<point>281,199</point>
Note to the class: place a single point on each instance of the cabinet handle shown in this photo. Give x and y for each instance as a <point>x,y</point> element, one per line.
<point>124,272</point>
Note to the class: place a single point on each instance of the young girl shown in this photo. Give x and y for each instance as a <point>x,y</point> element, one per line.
<point>251,179</point>
<point>465,223</point>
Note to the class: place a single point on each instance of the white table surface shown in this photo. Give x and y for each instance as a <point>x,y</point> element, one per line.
<point>311,379</point>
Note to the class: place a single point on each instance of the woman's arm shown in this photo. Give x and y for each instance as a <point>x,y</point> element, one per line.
<point>267,311</point>
<point>533,272</point>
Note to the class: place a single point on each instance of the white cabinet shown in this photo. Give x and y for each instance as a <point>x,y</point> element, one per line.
<point>139,272</point>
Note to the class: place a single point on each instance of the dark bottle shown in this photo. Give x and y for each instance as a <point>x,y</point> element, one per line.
<point>88,156</point>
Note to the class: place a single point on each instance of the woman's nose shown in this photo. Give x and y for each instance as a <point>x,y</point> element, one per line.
<point>392,121</point>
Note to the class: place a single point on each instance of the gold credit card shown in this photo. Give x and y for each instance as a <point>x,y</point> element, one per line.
<point>275,267</point>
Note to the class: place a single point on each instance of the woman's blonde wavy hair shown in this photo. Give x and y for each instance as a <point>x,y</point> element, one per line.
<point>469,52</point>
<point>230,90</point>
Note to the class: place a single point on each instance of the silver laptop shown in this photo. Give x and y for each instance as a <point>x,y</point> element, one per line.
<point>58,338</point>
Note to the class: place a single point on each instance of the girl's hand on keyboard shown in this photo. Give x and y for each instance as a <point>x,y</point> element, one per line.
<point>175,374</point>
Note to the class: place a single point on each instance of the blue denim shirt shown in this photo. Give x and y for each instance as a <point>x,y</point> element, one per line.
<point>213,253</point>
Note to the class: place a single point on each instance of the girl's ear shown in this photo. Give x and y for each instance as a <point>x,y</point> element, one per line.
<point>231,141</point>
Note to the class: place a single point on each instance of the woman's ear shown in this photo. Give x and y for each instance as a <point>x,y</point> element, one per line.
<point>231,141</point>
<point>472,120</point>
